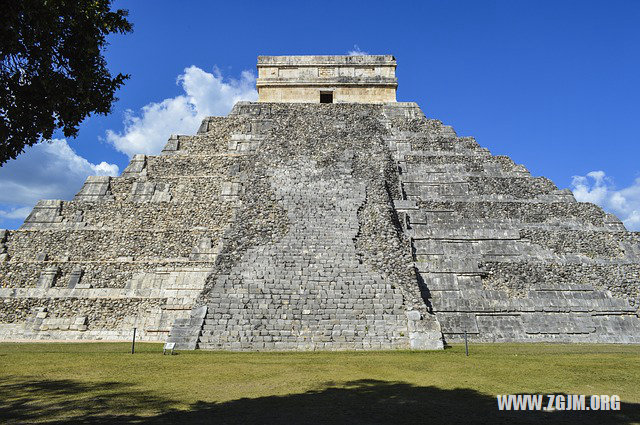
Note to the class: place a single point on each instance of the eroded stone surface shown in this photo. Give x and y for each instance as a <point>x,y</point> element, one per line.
<point>301,226</point>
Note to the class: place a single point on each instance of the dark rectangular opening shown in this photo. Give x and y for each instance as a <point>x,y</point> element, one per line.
<point>326,97</point>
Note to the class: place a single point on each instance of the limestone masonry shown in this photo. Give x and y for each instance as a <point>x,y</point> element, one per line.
<point>327,79</point>
<point>297,225</point>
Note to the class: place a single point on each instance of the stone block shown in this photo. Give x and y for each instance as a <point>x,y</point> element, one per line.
<point>74,277</point>
<point>95,188</point>
<point>137,166</point>
<point>45,213</point>
<point>172,146</point>
<point>48,277</point>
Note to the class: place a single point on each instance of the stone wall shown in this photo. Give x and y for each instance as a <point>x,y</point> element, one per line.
<point>339,94</point>
<point>349,79</point>
<point>138,248</point>
<point>506,256</point>
<point>311,226</point>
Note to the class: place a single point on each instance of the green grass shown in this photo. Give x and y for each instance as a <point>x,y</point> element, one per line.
<point>100,382</point>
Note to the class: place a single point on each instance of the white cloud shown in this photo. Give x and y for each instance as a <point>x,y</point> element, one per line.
<point>15,213</point>
<point>598,188</point>
<point>356,51</point>
<point>205,94</point>
<point>44,171</point>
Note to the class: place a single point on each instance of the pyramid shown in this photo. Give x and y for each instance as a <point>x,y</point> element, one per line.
<point>325,216</point>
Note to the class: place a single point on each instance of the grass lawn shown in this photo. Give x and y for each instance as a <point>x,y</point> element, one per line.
<point>104,383</point>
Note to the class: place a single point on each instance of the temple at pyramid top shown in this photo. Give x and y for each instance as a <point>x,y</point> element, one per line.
<point>327,79</point>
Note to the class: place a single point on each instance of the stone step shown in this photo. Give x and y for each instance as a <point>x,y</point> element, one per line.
<point>449,265</point>
<point>106,244</point>
<point>463,233</point>
<point>515,212</point>
<point>497,301</point>
<point>185,333</point>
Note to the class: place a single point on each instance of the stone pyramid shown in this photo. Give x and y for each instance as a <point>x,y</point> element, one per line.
<point>296,225</point>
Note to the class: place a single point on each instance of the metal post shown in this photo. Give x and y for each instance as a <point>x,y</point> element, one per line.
<point>133,343</point>
<point>466,343</point>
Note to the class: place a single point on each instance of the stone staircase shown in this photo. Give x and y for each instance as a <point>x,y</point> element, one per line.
<point>186,333</point>
<point>307,288</point>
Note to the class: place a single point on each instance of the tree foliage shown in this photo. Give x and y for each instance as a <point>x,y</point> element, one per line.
<point>52,71</point>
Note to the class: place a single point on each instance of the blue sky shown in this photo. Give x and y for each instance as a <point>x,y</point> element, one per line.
<point>553,84</point>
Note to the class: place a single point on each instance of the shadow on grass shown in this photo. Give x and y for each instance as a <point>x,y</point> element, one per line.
<point>356,402</point>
